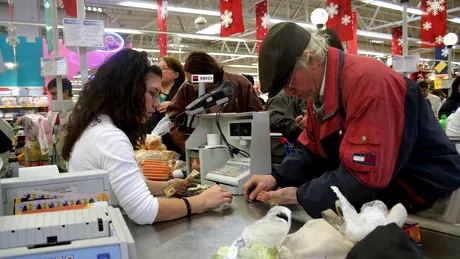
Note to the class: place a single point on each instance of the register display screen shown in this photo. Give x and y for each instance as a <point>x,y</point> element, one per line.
<point>240,129</point>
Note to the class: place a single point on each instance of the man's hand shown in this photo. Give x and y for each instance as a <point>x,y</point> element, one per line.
<point>300,121</point>
<point>163,106</point>
<point>282,196</point>
<point>257,184</point>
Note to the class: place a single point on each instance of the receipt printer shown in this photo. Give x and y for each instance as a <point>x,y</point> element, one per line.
<point>99,232</point>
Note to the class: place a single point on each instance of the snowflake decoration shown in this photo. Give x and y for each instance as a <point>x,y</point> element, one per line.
<point>266,20</point>
<point>435,6</point>
<point>445,52</point>
<point>400,41</point>
<point>346,19</point>
<point>439,39</point>
<point>427,26</point>
<point>332,9</point>
<point>164,9</point>
<point>226,19</point>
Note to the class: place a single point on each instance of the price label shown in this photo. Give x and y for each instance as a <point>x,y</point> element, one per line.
<point>79,33</point>
<point>54,66</point>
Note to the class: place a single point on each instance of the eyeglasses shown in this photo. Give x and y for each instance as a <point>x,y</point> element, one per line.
<point>155,95</point>
<point>165,69</point>
<point>53,93</point>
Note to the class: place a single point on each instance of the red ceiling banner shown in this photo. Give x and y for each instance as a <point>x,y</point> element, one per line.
<point>231,17</point>
<point>162,38</point>
<point>433,23</point>
<point>397,41</point>
<point>262,21</point>
<point>353,44</point>
<point>340,18</point>
<point>70,7</point>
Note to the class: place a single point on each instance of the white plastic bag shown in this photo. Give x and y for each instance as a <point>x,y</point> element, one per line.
<point>163,127</point>
<point>358,225</point>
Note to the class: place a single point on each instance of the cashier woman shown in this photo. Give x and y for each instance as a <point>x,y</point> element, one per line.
<point>107,123</point>
<point>368,131</point>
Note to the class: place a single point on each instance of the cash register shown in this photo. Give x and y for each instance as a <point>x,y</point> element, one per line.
<point>99,233</point>
<point>245,150</point>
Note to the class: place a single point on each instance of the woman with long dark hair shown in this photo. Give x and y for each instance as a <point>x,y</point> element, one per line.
<point>106,125</point>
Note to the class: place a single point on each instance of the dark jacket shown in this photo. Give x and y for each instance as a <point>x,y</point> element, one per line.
<point>452,103</point>
<point>283,112</point>
<point>246,101</point>
<point>376,139</point>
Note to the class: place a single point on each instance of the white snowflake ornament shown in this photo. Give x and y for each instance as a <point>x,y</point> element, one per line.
<point>346,19</point>
<point>427,26</point>
<point>435,6</point>
<point>164,9</point>
<point>439,39</point>
<point>226,19</point>
<point>332,9</point>
<point>445,52</point>
<point>400,41</point>
<point>266,20</point>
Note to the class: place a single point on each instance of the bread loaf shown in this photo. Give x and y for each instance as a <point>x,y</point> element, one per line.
<point>153,143</point>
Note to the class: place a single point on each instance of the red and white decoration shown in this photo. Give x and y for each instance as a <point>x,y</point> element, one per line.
<point>433,23</point>
<point>262,21</point>
<point>396,41</point>
<point>352,45</point>
<point>70,7</point>
<point>340,18</point>
<point>231,17</point>
<point>162,38</point>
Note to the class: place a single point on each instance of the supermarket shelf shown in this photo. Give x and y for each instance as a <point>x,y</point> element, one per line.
<point>22,107</point>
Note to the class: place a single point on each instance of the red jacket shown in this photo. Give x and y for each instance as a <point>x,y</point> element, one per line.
<point>376,139</point>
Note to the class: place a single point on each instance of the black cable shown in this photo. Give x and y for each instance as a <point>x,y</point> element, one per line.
<point>232,149</point>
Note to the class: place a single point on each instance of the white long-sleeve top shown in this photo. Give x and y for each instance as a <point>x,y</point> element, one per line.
<point>104,146</point>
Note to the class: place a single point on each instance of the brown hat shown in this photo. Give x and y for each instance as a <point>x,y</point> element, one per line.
<point>282,46</point>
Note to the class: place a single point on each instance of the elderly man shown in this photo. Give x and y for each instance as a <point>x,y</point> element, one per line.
<point>368,130</point>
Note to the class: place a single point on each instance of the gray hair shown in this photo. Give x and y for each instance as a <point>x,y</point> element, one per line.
<point>318,45</point>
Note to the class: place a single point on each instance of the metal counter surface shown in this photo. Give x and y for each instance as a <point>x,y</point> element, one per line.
<point>201,235</point>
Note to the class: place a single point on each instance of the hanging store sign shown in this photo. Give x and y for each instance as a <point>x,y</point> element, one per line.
<point>54,66</point>
<point>79,33</point>
<point>405,64</point>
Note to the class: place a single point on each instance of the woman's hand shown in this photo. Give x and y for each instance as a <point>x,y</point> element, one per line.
<point>215,196</point>
<point>286,195</point>
<point>163,106</point>
<point>181,189</point>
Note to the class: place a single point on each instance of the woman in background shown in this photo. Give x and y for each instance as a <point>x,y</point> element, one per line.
<point>106,125</point>
<point>173,77</point>
<point>453,102</point>
<point>245,100</point>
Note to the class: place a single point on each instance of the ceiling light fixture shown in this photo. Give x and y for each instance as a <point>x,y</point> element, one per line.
<point>396,7</point>
<point>211,30</point>
<point>170,8</point>
<point>377,41</point>
<point>241,66</point>
<point>371,53</point>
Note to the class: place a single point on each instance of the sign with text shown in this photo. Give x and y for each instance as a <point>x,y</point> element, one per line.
<point>54,66</point>
<point>405,64</point>
<point>202,78</point>
<point>79,33</point>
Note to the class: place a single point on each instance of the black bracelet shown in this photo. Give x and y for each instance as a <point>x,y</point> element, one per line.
<point>189,208</point>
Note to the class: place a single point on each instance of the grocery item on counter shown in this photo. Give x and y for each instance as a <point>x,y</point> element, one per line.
<point>153,143</point>
<point>156,170</point>
<point>141,155</point>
